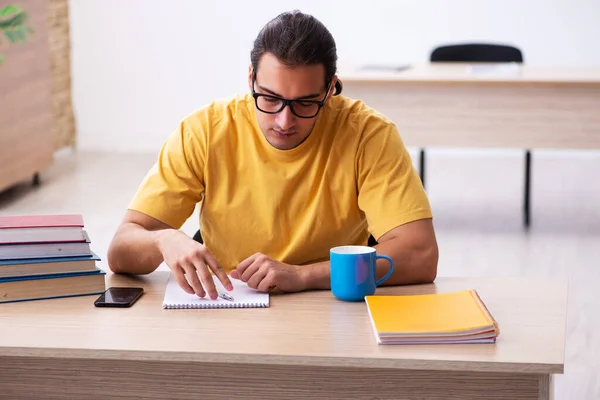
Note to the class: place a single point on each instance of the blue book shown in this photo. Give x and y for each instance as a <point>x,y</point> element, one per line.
<point>45,266</point>
<point>39,287</point>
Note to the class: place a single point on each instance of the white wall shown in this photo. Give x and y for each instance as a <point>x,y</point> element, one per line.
<point>139,66</point>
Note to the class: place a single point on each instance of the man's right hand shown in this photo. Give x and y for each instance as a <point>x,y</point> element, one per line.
<point>186,257</point>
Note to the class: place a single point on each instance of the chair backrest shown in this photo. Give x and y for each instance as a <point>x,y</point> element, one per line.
<point>198,238</point>
<point>476,52</point>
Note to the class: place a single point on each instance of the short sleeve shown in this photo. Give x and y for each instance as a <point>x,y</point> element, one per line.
<point>175,183</point>
<point>390,192</point>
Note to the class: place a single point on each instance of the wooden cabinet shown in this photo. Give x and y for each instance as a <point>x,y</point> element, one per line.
<point>26,122</point>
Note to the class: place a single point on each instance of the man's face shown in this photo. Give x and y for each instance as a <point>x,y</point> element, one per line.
<point>284,130</point>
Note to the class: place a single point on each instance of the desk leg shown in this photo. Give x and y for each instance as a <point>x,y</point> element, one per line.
<point>546,387</point>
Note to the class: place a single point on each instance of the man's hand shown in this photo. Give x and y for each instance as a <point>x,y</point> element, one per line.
<point>264,274</point>
<point>186,257</point>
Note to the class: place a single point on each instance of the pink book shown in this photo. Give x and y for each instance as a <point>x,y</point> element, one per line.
<point>40,221</point>
<point>19,229</point>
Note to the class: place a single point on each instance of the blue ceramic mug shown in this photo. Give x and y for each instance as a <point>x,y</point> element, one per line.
<point>352,272</point>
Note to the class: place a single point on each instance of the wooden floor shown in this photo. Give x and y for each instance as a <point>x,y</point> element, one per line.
<point>476,198</point>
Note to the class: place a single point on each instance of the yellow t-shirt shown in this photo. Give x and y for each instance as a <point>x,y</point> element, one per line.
<point>350,178</point>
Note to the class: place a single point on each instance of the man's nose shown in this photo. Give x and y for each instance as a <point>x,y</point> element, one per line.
<point>285,119</point>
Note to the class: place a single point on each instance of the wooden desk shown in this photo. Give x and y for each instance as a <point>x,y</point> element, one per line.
<point>305,346</point>
<point>445,105</point>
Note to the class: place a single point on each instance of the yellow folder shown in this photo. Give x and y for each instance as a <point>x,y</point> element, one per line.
<point>456,317</point>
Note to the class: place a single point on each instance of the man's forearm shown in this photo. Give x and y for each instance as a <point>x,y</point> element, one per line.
<point>134,250</point>
<point>316,276</point>
<point>411,266</point>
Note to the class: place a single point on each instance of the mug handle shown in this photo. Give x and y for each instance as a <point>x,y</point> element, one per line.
<point>379,282</point>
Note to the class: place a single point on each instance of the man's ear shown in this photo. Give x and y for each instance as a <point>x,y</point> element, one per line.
<point>332,86</point>
<point>250,72</point>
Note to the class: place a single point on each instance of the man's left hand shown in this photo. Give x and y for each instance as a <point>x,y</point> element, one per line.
<point>264,274</point>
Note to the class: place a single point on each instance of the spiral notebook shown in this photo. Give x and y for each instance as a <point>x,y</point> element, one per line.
<point>243,297</point>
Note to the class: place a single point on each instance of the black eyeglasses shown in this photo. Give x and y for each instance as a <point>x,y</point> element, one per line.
<point>270,104</point>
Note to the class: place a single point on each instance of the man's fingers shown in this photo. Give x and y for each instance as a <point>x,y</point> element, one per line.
<point>251,270</point>
<point>241,268</point>
<point>219,272</point>
<point>207,281</point>
<point>257,277</point>
<point>267,284</point>
<point>192,277</point>
<point>179,274</point>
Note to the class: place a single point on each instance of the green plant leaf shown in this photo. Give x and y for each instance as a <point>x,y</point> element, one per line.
<point>10,9</point>
<point>13,22</point>
<point>19,34</point>
<point>11,36</point>
<point>24,32</point>
<point>20,19</point>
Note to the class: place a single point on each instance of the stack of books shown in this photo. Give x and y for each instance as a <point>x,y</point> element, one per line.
<point>47,256</point>
<point>441,318</point>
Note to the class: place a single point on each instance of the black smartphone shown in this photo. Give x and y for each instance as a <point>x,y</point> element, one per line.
<point>119,297</point>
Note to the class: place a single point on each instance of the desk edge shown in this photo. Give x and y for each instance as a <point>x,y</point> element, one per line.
<point>317,361</point>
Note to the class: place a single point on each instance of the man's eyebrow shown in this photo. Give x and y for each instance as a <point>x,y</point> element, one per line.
<point>309,96</point>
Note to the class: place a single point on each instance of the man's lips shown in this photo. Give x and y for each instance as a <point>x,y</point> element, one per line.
<point>284,133</point>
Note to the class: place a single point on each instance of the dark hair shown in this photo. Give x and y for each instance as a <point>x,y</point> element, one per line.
<point>297,39</point>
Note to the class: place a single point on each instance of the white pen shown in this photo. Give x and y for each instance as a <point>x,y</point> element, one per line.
<point>226,296</point>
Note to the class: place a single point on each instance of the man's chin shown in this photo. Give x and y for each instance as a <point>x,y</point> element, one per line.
<point>281,142</point>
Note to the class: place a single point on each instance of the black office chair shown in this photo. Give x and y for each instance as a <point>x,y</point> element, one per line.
<point>198,238</point>
<point>482,52</point>
<point>476,52</point>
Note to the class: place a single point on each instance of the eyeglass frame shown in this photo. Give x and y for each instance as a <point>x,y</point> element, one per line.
<point>286,102</point>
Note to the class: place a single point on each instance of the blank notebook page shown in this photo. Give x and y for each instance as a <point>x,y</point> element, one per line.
<point>244,296</point>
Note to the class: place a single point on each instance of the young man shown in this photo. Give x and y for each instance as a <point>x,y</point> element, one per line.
<point>283,174</point>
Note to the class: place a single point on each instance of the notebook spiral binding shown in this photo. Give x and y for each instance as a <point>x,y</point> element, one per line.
<point>220,305</point>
